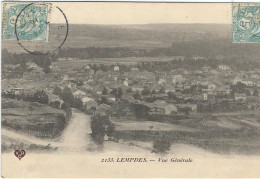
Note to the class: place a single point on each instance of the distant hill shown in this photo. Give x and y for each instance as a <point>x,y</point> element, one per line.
<point>142,36</point>
<point>182,39</point>
<point>135,36</point>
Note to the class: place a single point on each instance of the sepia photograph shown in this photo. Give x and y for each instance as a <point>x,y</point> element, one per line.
<point>130,89</point>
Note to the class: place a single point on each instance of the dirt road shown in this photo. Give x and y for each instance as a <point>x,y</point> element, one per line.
<point>74,138</point>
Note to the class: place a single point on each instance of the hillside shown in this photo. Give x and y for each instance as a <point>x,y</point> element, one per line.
<point>137,36</point>
<point>183,39</point>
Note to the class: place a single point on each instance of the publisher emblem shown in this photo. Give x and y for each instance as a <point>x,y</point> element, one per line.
<point>19,154</point>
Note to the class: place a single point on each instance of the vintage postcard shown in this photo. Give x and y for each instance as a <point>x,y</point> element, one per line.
<point>130,90</point>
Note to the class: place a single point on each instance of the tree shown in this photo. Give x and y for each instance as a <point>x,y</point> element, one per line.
<point>46,70</point>
<point>78,104</point>
<point>146,91</point>
<point>110,130</point>
<point>172,95</point>
<point>129,90</point>
<point>137,95</point>
<point>97,126</point>
<point>93,110</point>
<point>114,91</point>
<point>239,87</point>
<point>79,83</point>
<point>161,145</point>
<point>57,91</point>
<point>67,96</point>
<point>247,92</point>
<point>66,107</point>
<point>41,97</point>
<point>154,92</point>
<point>119,93</point>
<point>55,104</point>
<point>103,100</point>
<point>105,91</point>
<point>95,68</point>
<point>162,90</point>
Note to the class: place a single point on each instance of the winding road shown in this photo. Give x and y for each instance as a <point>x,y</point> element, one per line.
<point>75,137</point>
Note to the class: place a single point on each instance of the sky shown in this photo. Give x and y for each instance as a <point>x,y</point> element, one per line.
<point>140,13</point>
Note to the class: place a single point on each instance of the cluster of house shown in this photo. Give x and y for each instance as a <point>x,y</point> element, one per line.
<point>163,108</point>
<point>204,85</point>
<point>11,71</point>
<point>213,83</point>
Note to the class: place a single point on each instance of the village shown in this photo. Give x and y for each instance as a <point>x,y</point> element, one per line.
<point>149,101</point>
<point>179,91</point>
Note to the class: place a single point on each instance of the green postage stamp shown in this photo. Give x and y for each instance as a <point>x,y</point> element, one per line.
<point>26,21</point>
<point>246,22</point>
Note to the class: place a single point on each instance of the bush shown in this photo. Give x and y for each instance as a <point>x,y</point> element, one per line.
<point>78,104</point>
<point>161,145</point>
<point>66,107</point>
<point>67,96</point>
<point>41,97</point>
<point>55,104</point>
<point>57,91</point>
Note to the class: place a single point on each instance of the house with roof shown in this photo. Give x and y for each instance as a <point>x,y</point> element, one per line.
<point>89,103</point>
<point>212,86</point>
<point>116,68</point>
<point>170,109</point>
<point>161,81</point>
<point>240,97</point>
<point>197,58</point>
<point>134,69</point>
<point>125,82</point>
<point>137,88</point>
<point>54,67</point>
<point>90,72</point>
<point>177,79</point>
<point>86,67</point>
<point>187,108</point>
<point>168,87</point>
<point>223,89</point>
<point>206,68</point>
<point>18,91</point>
<point>255,76</point>
<point>208,97</point>
<point>162,107</point>
<point>31,65</point>
<point>79,94</point>
<point>236,80</point>
<point>248,82</point>
<point>224,67</point>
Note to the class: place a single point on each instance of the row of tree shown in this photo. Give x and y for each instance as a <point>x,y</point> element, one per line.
<point>197,64</point>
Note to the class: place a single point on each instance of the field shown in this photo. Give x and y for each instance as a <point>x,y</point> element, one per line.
<point>32,118</point>
<point>149,125</point>
<point>225,134</point>
<point>79,63</point>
